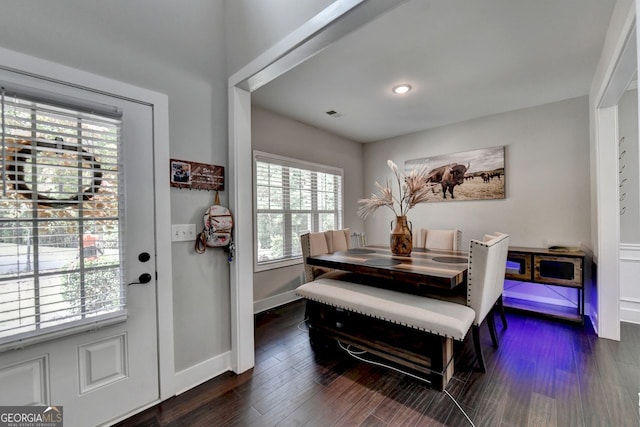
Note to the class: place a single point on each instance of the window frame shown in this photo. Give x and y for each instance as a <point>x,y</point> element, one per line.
<point>260,156</point>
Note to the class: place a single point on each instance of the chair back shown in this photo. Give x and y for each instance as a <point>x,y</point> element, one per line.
<point>485,276</point>
<point>437,239</point>
<point>338,240</point>
<point>326,242</point>
<point>312,244</point>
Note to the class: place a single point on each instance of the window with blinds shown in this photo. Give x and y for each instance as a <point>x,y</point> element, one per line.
<point>60,215</point>
<point>291,197</point>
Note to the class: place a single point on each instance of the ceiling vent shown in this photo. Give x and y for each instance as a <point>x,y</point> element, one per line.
<point>333,113</point>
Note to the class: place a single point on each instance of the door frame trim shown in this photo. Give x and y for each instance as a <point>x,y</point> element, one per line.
<point>331,24</point>
<point>612,76</point>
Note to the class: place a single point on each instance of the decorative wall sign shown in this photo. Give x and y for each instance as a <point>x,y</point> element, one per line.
<point>196,176</point>
<point>475,175</point>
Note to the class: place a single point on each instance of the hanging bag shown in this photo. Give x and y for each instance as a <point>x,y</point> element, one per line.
<point>218,224</point>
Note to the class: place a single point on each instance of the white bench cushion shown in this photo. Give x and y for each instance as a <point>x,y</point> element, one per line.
<point>438,317</point>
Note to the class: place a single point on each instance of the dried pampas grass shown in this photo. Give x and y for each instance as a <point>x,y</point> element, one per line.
<point>413,189</point>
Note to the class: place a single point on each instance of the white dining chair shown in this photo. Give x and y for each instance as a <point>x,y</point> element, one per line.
<point>319,243</point>
<point>485,285</point>
<point>338,240</point>
<point>437,239</point>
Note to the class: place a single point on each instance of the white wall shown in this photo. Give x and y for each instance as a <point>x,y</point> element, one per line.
<point>276,134</point>
<point>547,182</point>
<point>256,25</point>
<point>547,176</point>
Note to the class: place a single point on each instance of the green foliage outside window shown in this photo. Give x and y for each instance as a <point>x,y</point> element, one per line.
<point>102,287</point>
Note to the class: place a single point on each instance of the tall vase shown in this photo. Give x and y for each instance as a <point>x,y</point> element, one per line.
<point>401,238</point>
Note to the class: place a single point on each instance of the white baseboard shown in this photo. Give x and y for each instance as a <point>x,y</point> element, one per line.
<point>202,372</point>
<point>274,301</point>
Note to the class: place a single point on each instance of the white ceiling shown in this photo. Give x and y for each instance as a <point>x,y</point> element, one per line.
<point>465,59</point>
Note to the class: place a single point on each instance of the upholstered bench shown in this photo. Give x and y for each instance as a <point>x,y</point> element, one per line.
<point>412,331</point>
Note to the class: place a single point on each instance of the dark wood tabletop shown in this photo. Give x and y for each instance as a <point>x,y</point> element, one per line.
<point>429,268</point>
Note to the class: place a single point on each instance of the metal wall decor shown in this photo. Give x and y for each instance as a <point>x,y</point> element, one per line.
<point>622,178</point>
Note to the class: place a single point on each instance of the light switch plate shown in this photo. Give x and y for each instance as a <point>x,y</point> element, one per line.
<point>183,232</point>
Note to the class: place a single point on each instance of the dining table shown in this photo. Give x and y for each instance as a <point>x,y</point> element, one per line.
<point>422,271</point>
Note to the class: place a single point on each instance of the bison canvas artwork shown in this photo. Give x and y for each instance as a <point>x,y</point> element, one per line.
<point>469,175</point>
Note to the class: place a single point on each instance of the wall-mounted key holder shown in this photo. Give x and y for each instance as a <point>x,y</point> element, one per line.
<point>196,176</point>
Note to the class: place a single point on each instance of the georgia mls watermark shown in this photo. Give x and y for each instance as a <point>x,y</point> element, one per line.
<point>30,416</point>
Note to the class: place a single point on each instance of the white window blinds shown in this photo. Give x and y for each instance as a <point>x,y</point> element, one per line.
<point>60,251</point>
<point>291,197</point>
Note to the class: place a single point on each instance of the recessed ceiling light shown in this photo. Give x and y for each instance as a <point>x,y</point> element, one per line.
<point>401,89</point>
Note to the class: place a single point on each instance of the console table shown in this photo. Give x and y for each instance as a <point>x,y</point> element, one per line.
<point>565,268</point>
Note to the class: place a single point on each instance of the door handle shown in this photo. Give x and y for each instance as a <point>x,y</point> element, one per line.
<point>142,279</point>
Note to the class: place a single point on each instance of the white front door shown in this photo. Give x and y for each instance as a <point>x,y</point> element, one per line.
<point>103,362</point>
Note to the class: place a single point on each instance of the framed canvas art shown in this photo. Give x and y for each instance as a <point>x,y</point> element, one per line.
<point>468,175</point>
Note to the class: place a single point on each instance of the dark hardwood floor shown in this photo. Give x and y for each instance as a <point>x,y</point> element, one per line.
<point>544,373</point>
